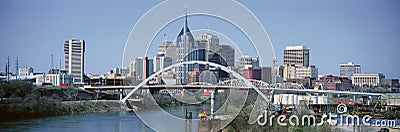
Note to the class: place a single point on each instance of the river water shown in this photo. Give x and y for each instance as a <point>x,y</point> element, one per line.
<point>98,122</point>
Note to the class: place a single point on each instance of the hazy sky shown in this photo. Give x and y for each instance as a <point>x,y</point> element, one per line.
<point>336,31</point>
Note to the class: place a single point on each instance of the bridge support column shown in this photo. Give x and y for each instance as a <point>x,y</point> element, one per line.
<point>120,94</point>
<point>212,101</point>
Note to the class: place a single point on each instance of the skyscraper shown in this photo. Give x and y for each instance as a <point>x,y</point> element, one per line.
<point>160,62</point>
<point>169,50</point>
<point>347,70</point>
<point>74,51</point>
<point>296,55</point>
<point>228,53</point>
<point>208,42</point>
<point>185,44</point>
<point>143,68</point>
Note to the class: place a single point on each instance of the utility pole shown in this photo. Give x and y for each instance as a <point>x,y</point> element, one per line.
<point>59,72</point>
<point>8,68</point>
<point>52,63</point>
<point>16,68</point>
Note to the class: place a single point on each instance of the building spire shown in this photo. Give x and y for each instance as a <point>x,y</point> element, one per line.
<point>185,22</point>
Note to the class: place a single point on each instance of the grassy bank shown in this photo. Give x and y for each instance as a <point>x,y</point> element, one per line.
<point>21,100</point>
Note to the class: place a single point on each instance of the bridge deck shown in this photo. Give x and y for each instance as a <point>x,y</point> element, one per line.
<point>276,90</point>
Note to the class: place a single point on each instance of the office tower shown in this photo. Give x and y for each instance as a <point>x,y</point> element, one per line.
<point>185,44</point>
<point>160,62</point>
<point>143,68</point>
<point>266,74</point>
<point>208,42</point>
<point>169,50</point>
<point>347,70</point>
<point>296,55</point>
<point>228,54</point>
<point>74,51</point>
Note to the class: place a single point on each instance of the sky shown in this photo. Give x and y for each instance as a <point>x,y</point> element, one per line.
<point>335,31</point>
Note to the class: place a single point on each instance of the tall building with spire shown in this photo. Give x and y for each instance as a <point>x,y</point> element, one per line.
<point>185,44</point>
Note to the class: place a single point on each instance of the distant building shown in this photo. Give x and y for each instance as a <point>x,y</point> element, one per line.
<point>74,51</point>
<point>185,44</point>
<point>391,82</point>
<point>296,55</point>
<point>296,72</point>
<point>347,70</point>
<point>296,65</point>
<point>228,53</point>
<point>266,74</point>
<point>330,82</point>
<point>209,42</point>
<point>169,50</point>
<point>289,72</point>
<point>25,71</point>
<point>310,71</point>
<point>368,80</point>
<point>50,79</point>
<point>160,62</point>
<point>53,71</point>
<point>143,68</point>
<point>119,71</point>
<point>245,62</point>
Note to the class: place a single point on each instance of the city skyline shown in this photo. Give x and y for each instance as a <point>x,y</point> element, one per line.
<point>106,41</point>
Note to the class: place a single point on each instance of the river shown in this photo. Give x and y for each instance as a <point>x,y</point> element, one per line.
<point>111,121</point>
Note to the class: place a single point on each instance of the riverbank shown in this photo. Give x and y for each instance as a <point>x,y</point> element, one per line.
<point>20,101</point>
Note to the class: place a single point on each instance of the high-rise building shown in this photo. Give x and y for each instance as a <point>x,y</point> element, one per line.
<point>296,55</point>
<point>245,62</point>
<point>208,42</point>
<point>160,62</point>
<point>185,44</point>
<point>169,50</point>
<point>25,71</point>
<point>266,74</point>
<point>347,70</point>
<point>143,68</point>
<point>74,51</point>
<point>228,54</point>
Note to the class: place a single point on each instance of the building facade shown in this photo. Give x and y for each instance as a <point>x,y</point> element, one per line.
<point>169,50</point>
<point>74,51</point>
<point>330,82</point>
<point>368,80</point>
<point>266,74</point>
<point>228,54</point>
<point>347,70</point>
<point>160,62</point>
<point>143,68</point>
<point>310,71</point>
<point>25,71</point>
<point>391,82</point>
<point>185,44</point>
<point>296,55</point>
<point>51,79</point>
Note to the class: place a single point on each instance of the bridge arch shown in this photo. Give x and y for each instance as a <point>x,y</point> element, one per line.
<point>223,68</point>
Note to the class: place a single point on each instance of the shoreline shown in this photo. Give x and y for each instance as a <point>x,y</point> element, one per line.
<point>63,108</point>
